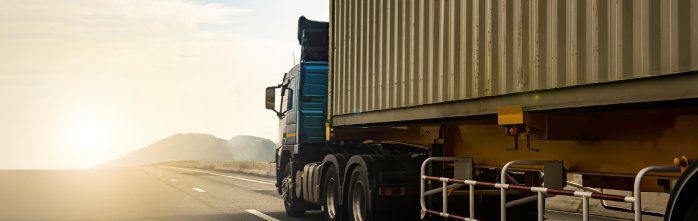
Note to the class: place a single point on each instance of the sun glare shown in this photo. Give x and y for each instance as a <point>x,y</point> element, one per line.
<point>89,139</point>
<point>89,135</point>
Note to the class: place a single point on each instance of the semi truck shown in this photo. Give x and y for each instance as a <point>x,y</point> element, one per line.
<point>480,110</point>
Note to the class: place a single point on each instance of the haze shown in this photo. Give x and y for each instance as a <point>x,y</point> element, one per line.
<point>84,82</point>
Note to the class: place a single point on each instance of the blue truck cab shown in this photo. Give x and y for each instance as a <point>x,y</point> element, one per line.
<point>303,104</point>
<point>314,172</point>
<point>302,109</point>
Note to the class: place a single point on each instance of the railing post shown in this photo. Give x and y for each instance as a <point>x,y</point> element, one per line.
<point>444,196</point>
<point>472,201</point>
<point>503,183</point>
<point>421,187</point>
<point>444,188</point>
<point>503,198</point>
<point>637,192</point>
<point>541,206</point>
<point>585,208</point>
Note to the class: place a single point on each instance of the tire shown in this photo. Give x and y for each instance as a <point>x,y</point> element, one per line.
<point>331,194</point>
<point>683,202</point>
<point>294,206</point>
<point>358,197</point>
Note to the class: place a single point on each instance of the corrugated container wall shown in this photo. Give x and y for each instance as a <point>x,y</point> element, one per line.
<point>398,53</point>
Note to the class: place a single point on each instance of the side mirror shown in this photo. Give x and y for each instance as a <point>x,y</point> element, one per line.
<point>270,98</point>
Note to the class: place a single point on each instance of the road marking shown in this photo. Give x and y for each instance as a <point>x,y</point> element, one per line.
<point>159,174</point>
<point>173,180</point>
<point>198,189</point>
<point>234,177</point>
<point>261,215</point>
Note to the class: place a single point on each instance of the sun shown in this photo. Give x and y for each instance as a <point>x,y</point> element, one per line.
<point>89,135</point>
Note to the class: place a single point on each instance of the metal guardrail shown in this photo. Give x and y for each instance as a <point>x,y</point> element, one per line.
<point>444,191</point>
<point>541,192</point>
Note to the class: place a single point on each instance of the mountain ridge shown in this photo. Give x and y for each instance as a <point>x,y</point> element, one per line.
<point>196,146</point>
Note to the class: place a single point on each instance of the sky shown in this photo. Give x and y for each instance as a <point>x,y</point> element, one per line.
<point>83,82</point>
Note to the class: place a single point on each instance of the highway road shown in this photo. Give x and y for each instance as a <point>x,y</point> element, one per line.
<point>147,193</point>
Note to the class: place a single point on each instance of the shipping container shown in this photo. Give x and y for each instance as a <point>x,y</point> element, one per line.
<point>397,60</point>
<point>477,109</point>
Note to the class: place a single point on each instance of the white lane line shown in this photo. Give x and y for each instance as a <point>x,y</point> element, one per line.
<point>173,180</point>
<point>198,190</point>
<point>159,174</point>
<point>234,177</point>
<point>261,215</point>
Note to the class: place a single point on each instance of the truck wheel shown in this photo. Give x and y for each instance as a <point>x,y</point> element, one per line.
<point>292,204</point>
<point>683,202</point>
<point>358,197</point>
<point>331,195</point>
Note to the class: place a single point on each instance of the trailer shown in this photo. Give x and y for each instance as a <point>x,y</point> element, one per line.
<point>478,110</point>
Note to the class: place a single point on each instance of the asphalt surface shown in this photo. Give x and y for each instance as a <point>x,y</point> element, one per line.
<point>147,193</point>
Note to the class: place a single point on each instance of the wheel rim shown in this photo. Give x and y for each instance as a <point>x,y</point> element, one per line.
<point>330,197</point>
<point>358,202</point>
<point>286,188</point>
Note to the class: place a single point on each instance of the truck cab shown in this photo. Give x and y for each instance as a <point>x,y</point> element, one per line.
<point>302,109</point>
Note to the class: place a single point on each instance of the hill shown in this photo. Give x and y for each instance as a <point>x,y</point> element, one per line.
<point>251,148</point>
<point>202,147</point>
